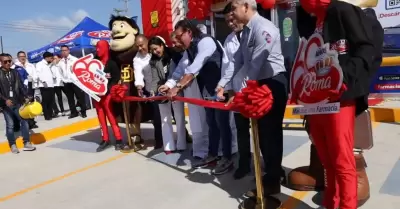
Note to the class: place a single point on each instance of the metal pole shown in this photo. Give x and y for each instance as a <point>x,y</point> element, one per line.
<point>257,164</point>
<point>1,44</point>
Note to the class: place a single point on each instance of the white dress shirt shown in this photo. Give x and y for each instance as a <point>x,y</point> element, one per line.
<point>140,64</point>
<point>44,74</point>
<point>31,70</point>
<point>66,68</point>
<point>231,47</point>
<point>57,76</point>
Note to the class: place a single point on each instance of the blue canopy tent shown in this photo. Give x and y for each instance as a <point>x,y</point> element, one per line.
<point>81,40</point>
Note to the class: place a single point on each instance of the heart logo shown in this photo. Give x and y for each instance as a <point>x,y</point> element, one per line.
<point>89,73</point>
<point>316,72</point>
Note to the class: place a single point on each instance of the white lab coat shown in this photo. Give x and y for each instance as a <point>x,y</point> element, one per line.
<point>31,70</point>
<point>44,76</point>
<point>65,65</point>
<point>57,76</point>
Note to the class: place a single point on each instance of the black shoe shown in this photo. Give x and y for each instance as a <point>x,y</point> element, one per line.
<point>34,126</point>
<point>268,191</point>
<point>241,172</point>
<point>102,146</point>
<point>74,115</point>
<point>83,115</point>
<point>223,166</point>
<point>119,145</point>
<point>208,161</point>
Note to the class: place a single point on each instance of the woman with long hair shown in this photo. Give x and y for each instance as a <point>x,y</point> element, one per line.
<point>162,68</point>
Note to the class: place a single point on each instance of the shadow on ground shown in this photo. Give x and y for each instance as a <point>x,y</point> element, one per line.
<point>183,162</point>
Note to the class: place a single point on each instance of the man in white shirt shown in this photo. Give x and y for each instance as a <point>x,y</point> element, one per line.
<point>44,76</point>
<point>70,89</point>
<point>30,69</point>
<point>242,124</point>
<point>143,80</point>
<point>58,86</point>
<point>261,55</point>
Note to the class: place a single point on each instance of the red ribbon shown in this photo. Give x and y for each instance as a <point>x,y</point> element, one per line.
<point>253,102</point>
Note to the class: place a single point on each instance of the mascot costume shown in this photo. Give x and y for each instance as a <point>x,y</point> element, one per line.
<point>104,106</point>
<point>124,31</point>
<point>358,39</point>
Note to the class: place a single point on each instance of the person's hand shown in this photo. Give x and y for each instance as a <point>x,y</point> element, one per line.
<point>163,89</point>
<point>152,94</point>
<point>173,92</point>
<point>28,99</point>
<point>140,91</point>
<point>30,79</point>
<point>9,103</point>
<point>220,93</point>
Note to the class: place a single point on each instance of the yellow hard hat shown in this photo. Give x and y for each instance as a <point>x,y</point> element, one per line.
<point>30,110</point>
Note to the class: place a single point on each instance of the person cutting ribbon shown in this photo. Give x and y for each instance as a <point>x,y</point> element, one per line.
<point>203,59</point>
<point>261,56</point>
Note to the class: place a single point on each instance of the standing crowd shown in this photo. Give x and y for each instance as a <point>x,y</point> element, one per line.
<point>20,80</point>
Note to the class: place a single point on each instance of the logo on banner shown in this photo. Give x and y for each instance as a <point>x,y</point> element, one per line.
<point>315,73</point>
<point>89,76</point>
<point>70,37</point>
<point>100,34</point>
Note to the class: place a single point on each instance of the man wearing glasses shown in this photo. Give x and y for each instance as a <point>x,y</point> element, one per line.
<point>260,54</point>
<point>204,58</point>
<point>12,96</point>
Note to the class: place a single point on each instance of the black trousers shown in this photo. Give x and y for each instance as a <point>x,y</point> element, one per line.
<point>58,94</point>
<point>157,125</point>
<point>269,129</point>
<point>47,102</point>
<point>72,91</point>
<point>31,91</point>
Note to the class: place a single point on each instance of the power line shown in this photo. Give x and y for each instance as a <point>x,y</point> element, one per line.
<point>32,25</point>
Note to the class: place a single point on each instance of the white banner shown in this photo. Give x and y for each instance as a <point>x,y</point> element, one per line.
<point>315,109</point>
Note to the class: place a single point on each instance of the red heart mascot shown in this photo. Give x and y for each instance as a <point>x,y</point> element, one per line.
<point>104,106</point>
<point>348,32</point>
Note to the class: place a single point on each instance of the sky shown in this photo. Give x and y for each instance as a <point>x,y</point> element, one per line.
<point>28,25</point>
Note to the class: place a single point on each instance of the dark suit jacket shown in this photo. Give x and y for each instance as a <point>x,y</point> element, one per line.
<point>344,21</point>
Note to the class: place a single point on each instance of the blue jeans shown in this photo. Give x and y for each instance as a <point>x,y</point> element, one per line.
<point>9,114</point>
<point>219,128</point>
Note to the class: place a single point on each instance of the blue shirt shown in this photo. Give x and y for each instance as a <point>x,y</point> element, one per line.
<point>260,50</point>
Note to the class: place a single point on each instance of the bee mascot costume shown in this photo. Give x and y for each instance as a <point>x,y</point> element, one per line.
<point>341,22</point>
<point>122,50</point>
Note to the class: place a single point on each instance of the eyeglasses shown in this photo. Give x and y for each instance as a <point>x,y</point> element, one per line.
<point>6,61</point>
<point>21,56</point>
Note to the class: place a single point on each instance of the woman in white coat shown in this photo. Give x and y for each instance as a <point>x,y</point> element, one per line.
<point>162,68</point>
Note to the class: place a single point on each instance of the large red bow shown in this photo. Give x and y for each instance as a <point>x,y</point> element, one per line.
<point>118,92</point>
<point>254,101</point>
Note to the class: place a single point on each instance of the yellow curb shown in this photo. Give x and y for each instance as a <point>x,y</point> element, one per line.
<point>54,133</point>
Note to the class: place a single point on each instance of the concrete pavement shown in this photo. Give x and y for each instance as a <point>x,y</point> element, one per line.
<point>66,173</point>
